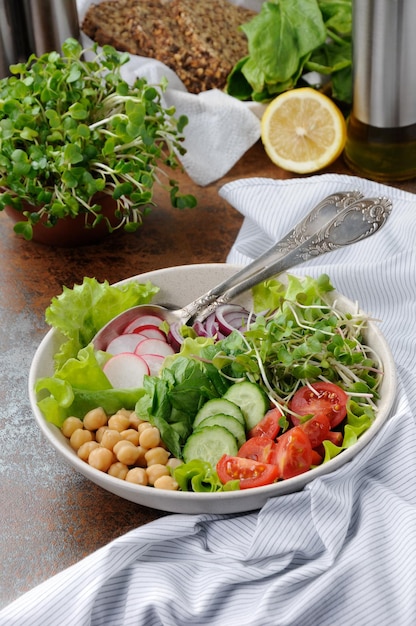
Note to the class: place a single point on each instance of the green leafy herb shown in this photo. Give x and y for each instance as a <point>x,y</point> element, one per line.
<point>304,338</point>
<point>72,128</point>
<point>287,40</point>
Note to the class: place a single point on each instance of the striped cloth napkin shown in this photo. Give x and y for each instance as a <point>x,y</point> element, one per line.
<point>341,551</point>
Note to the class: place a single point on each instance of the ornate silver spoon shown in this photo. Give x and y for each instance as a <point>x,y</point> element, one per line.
<point>339,220</point>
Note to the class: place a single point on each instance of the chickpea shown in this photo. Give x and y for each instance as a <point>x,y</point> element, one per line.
<point>71,424</point>
<point>173,462</point>
<point>135,420</point>
<point>124,412</point>
<point>95,418</point>
<point>166,482</point>
<point>156,455</point>
<point>150,437</point>
<point>156,471</point>
<point>86,448</point>
<point>137,475</point>
<point>100,432</point>
<point>80,436</point>
<point>143,426</point>
<point>118,470</point>
<point>126,452</point>
<point>110,438</point>
<point>119,422</point>
<point>141,459</point>
<point>130,435</point>
<point>101,458</point>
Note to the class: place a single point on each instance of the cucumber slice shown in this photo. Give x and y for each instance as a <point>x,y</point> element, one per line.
<point>251,399</point>
<point>209,444</point>
<point>227,421</point>
<point>217,406</point>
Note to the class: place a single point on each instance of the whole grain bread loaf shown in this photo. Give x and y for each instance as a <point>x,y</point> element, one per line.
<point>200,41</point>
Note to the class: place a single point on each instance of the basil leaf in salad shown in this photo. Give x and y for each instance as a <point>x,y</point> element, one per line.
<point>289,39</point>
<point>173,399</point>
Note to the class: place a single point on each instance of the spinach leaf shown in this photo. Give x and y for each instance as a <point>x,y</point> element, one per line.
<point>287,40</point>
<point>172,401</point>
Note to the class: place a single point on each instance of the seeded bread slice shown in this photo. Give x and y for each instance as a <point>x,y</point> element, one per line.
<point>127,25</point>
<point>111,23</point>
<point>210,42</point>
<point>200,41</point>
<point>214,27</point>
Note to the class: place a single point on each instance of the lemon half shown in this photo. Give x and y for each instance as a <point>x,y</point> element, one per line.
<point>303,130</point>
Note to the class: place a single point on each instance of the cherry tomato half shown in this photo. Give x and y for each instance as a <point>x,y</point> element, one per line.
<point>268,426</point>
<point>325,398</point>
<point>257,449</point>
<point>335,437</point>
<point>292,453</point>
<point>317,428</point>
<point>250,473</point>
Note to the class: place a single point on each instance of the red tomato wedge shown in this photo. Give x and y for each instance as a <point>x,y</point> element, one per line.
<point>292,453</point>
<point>316,458</point>
<point>317,429</point>
<point>257,449</point>
<point>250,473</point>
<point>268,426</point>
<point>335,437</point>
<point>317,399</point>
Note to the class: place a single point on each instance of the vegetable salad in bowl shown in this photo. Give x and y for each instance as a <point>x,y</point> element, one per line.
<point>286,384</point>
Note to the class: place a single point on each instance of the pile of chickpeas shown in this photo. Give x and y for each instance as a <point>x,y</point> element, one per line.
<point>124,446</point>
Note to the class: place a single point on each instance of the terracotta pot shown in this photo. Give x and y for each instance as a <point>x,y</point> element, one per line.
<point>69,232</point>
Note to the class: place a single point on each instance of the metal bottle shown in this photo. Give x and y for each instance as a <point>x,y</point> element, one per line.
<point>381,131</point>
<point>34,26</point>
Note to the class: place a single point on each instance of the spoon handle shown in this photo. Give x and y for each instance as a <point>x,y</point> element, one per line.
<point>354,220</point>
<point>323,212</point>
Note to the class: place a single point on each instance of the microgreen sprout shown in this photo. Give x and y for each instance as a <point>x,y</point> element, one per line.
<point>304,339</point>
<point>72,129</point>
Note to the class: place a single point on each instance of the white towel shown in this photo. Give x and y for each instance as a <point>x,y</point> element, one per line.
<point>341,551</point>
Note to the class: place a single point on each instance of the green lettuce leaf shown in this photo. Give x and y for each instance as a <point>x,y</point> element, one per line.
<point>79,386</point>
<point>80,312</point>
<point>199,476</point>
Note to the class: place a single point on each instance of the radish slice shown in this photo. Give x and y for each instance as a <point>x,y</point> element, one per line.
<point>151,332</point>
<point>154,346</point>
<point>124,343</point>
<point>126,370</point>
<point>143,320</point>
<point>154,362</point>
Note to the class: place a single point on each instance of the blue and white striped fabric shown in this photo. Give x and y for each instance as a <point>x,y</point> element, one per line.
<point>343,550</point>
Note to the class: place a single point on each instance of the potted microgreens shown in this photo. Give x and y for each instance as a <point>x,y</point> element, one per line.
<point>73,131</point>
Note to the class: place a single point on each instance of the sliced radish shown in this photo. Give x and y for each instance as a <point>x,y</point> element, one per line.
<point>154,362</point>
<point>124,343</point>
<point>143,320</point>
<point>151,332</point>
<point>126,370</point>
<point>154,346</point>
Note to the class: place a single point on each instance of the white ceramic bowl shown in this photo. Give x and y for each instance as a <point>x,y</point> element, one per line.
<point>181,285</point>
